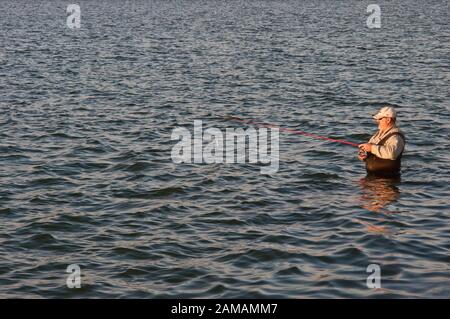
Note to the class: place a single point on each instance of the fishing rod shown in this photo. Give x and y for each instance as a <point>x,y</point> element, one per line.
<point>238,119</point>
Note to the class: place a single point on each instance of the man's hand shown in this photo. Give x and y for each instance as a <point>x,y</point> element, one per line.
<point>366,147</point>
<point>362,155</point>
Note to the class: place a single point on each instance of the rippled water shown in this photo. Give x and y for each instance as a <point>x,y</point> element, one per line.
<point>86,175</point>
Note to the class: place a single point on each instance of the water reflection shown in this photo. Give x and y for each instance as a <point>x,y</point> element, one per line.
<point>377,193</point>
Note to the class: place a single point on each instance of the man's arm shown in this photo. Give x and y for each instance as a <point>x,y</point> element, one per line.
<point>391,149</point>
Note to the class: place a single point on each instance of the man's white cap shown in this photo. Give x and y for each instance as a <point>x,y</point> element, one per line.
<point>387,111</point>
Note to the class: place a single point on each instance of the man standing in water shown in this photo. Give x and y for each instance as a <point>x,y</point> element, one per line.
<point>383,153</point>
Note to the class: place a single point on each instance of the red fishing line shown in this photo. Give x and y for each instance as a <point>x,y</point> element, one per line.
<point>234,118</point>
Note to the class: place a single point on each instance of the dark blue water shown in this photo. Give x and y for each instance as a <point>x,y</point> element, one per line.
<point>86,175</point>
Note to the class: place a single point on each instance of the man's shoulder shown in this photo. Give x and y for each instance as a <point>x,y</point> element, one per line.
<point>400,132</point>
<point>396,134</point>
<point>395,131</point>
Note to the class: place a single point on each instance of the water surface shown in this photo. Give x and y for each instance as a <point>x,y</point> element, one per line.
<point>86,175</point>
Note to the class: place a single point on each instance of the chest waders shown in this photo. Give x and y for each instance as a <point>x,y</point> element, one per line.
<point>384,167</point>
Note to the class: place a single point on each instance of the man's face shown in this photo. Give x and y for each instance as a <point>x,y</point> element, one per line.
<point>384,123</point>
